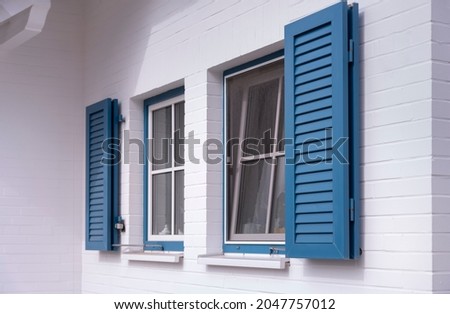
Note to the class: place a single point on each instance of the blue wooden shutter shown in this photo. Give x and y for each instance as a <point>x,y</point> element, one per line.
<point>320,182</point>
<point>102,175</point>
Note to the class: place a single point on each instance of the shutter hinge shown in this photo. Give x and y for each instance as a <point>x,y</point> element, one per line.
<point>352,209</point>
<point>351,48</point>
<point>119,224</point>
<point>120,118</point>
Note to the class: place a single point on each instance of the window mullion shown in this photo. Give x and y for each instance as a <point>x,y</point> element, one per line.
<point>150,177</point>
<point>172,162</point>
<point>273,159</point>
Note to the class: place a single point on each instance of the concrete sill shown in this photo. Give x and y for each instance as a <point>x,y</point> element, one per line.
<point>166,257</point>
<point>267,262</point>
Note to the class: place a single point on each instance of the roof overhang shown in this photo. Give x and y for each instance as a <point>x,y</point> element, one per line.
<point>21,20</point>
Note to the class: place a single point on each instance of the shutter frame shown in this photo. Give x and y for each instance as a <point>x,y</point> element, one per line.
<point>310,232</point>
<point>355,132</point>
<point>101,179</point>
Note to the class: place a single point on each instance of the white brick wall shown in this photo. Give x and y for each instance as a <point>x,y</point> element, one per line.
<point>441,140</point>
<point>138,49</point>
<point>41,160</point>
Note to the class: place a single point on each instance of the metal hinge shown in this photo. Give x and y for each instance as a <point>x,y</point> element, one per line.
<point>119,224</point>
<point>352,209</point>
<point>351,48</point>
<point>276,250</point>
<point>120,118</point>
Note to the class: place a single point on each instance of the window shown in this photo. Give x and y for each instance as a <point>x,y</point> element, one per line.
<point>164,201</point>
<point>255,176</point>
<point>292,131</point>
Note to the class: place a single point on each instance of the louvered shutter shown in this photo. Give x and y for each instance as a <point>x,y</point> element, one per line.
<point>101,175</point>
<point>318,96</point>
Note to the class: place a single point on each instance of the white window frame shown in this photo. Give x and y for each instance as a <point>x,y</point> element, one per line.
<point>249,239</point>
<point>155,237</point>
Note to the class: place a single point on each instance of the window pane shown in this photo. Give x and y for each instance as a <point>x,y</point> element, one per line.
<point>161,203</point>
<point>278,201</point>
<point>179,134</point>
<point>253,202</point>
<point>162,134</point>
<point>261,113</point>
<point>179,202</point>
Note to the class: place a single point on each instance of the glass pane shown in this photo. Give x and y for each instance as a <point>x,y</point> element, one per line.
<point>179,134</point>
<point>162,135</point>
<point>281,124</point>
<point>252,209</point>
<point>278,201</point>
<point>161,203</point>
<point>261,113</point>
<point>179,202</point>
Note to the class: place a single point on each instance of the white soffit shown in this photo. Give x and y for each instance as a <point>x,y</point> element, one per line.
<point>21,20</point>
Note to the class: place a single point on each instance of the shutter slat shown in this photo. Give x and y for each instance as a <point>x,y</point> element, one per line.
<point>314,238</point>
<point>313,75</point>
<point>96,134</point>
<point>313,45</point>
<point>96,170</point>
<point>314,126</point>
<point>314,145</point>
<point>96,232</point>
<point>318,53</point>
<point>314,177</point>
<point>96,140</point>
<point>96,152</point>
<point>314,95</point>
<point>313,106</point>
<point>317,135</point>
<point>314,198</point>
<point>314,187</point>
<point>97,127</point>
<point>315,217</point>
<point>95,160</point>
<point>96,220</point>
<point>316,116</point>
<point>313,85</point>
<point>314,156</point>
<point>95,116</point>
<point>97,121</point>
<point>314,207</point>
<point>96,201</point>
<point>312,228</point>
<point>313,65</point>
<point>302,168</point>
<point>96,195</point>
<point>313,34</point>
<point>94,189</point>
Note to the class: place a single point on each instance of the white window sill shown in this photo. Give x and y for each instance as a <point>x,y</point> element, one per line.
<point>161,257</point>
<point>259,261</point>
